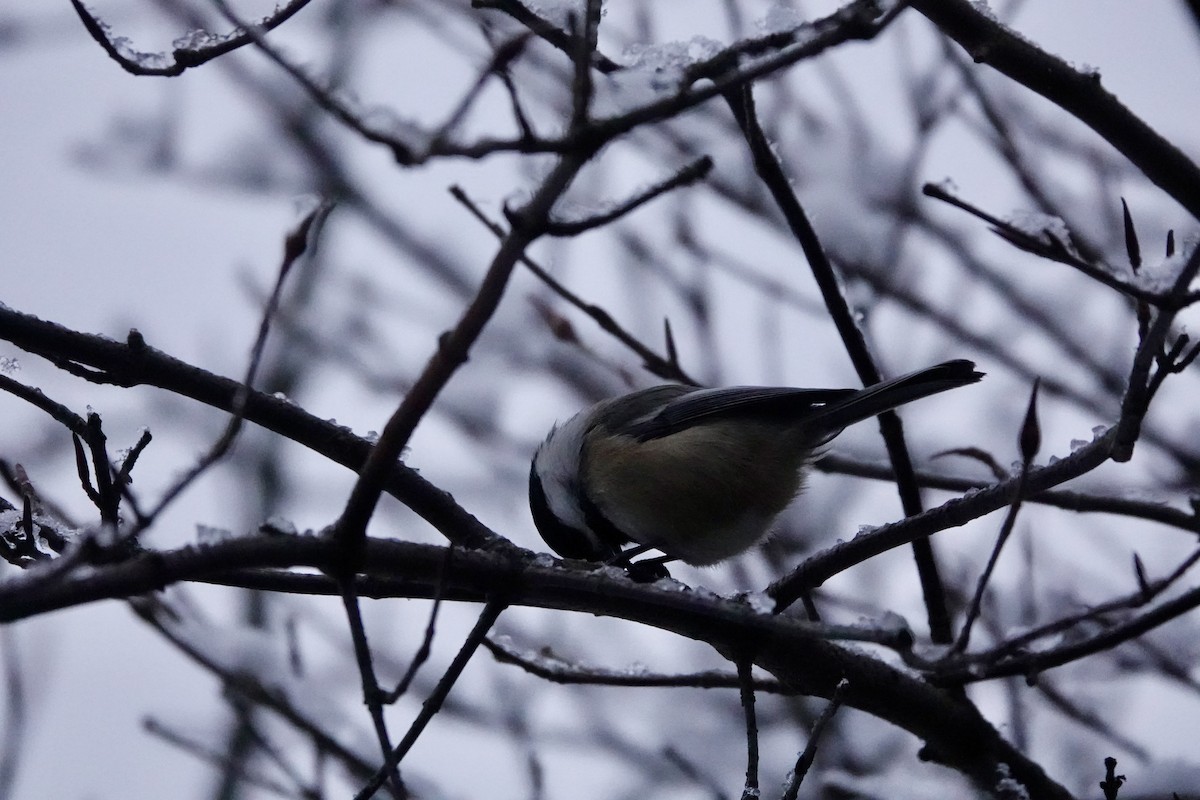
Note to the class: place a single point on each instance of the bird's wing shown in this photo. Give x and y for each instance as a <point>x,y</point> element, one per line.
<point>828,410</point>
<point>707,405</point>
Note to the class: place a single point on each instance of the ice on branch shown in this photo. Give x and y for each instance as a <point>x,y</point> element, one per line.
<point>208,534</point>
<point>281,525</point>
<point>1009,787</point>
<point>984,8</point>
<point>1161,276</point>
<point>562,14</point>
<point>760,602</point>
<point>653,72</point>
<point>387,124</point>
<point>123,45</point>
<point>672,55</point>
<point>781,19</point>
<point>1045,228</point>
<point>198,39</point>
<point>10,519</point>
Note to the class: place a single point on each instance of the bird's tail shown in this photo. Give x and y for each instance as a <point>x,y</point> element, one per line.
<point>887,395</point>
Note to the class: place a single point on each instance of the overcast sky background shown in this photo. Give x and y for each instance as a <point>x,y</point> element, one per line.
<point>92,239</point>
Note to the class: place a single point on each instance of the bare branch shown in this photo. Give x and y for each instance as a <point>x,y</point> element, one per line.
<point>199,48</point>
<point>750,789</point>
<point>1080,94</point>
<point>1046,246</point>
<point>667,368</point>
<point>817,569</point>
<point>1030,442</point>
<point>491,612</point>
<point>295,245</point>
<point>770,170</point>
<point>696,171</point>
<point>452,351</point>
<point>552,668</point>
<point>805,760</point>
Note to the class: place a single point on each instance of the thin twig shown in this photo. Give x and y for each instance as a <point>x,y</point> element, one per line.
<point>277,756</point>
<point>666,368</point>
<point>809,754</point>
<point>16,710</point>
<point>1112,782</point>
<point>452,351</point>
<point>109,499</point>
<point>505,75</point>
<point>552,34</point>
<point>501,58</point>
<point>556,670</point>
<point>856,21</point>
<point>102,360</point>
<point>687,175</point>
<point>1048,248</point>
<point>582,56</point>
<point>84,474</point>
<point>207,754</point>
<point>1147,592</point>
<point>693,772</point>
<point>770,170</point>
<point>422,654</point>
<point>1030,664</point>
<point>815,570</point>
<point>181,58</point>
<point>1078,93</point>
<point>745,667</point>
<point>1135,403</point>
<point>1089,719</point>
<point>123,478</point>
<point>37,398</point>
<point>1030,441</point>
<point>433,703</point>
<point>295,245</point>
<point>1080,502</point>
<point>249,686</point>
<point>372,694</point>
<point>402,151</point>
<point>1008,146</point>
<point>106,493</point>
<point>17,479</point>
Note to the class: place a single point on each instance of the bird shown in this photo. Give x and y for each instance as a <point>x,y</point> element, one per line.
<point>697,474</point>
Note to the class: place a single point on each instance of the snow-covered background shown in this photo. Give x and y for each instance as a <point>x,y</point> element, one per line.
<point>161,204</point>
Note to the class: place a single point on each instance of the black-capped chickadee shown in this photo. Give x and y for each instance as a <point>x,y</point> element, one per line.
<point>699,474</point>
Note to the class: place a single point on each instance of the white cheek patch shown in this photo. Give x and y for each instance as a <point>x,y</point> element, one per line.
<point>557,463</point>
